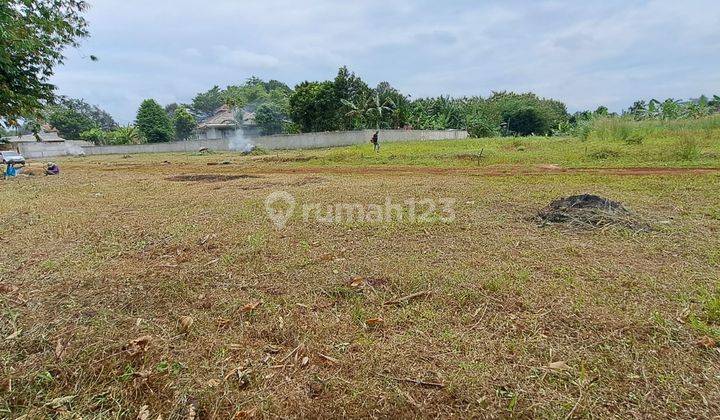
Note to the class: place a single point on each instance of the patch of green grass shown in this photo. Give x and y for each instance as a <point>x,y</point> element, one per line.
<point>711,307</point>
<point>619,143</point>
<point>687,148</point>
<point>604,153</point>
<point>707,322</point>
<point>256,241</point>
<point>704,328</point>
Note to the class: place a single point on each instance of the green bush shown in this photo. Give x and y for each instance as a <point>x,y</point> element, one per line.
<point>154,123</point>
<point>604,153</point>
<point>635,137</point>
<point>290,127</point>
<point>94,135</point>
<point>479,128</point>
<point>124,135</point>
<point>527,121</point>
<point>583,130</point>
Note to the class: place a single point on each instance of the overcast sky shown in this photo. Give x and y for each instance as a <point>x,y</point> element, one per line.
<point>585,53</point>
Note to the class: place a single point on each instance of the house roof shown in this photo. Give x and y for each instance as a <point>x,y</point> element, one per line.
<point>248,118</point>
<point>225,118</point>
<point>43,135</point>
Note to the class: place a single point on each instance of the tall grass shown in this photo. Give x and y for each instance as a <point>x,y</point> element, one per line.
<point>624,128</point>
<point>684,140</point>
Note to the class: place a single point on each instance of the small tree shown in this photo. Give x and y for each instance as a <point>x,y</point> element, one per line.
<point>153,122</point>
<point>184,123</point>
<point>94,135</point>
<point>479,127</point>
<point>125,135</point>
<point>528,120</point>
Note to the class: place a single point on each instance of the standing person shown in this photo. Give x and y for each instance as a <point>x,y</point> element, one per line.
<point>374,141</point>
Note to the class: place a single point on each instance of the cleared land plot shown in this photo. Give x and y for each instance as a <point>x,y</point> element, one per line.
<point>310,320</point>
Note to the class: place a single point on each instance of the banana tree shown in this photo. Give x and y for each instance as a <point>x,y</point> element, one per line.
<point>371,107</point>
<point>714,103</point>
<point>671,109</point>
<point>653,108</point>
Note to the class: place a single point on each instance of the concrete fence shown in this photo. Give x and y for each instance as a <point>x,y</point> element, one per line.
<point>175,146</point>
<point>348,138</point>
<point>40,150</point>
<point>277,142</point>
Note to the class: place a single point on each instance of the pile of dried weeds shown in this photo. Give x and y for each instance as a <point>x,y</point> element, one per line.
<point>587,211</point>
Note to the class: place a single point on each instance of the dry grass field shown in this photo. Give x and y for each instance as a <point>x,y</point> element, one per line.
<point>133,287</point>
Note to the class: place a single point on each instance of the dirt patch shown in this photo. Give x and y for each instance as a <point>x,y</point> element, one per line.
<point>278,158</point>
<point>208,177</point>
<point>587,211</point>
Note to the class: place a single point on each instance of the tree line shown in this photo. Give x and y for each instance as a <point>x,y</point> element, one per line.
<point>34,35</point>
<point>347,103</point>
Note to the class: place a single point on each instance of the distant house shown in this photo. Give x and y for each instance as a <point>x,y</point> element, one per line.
<point>46,134</point>
<point>224,124</point>
<point>43,144</point>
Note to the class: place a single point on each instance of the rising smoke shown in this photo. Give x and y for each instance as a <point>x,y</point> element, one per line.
<point>239,143</point>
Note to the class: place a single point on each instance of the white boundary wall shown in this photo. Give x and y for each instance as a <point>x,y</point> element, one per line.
<point>175,146</point>
<point>277,142</point>
<point>347,138</point>
<point>39,150</point>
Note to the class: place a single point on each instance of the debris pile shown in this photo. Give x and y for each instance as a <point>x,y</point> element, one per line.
<point>587,211</point>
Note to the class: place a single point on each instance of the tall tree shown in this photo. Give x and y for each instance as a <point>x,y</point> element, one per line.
<point>98,116</point>
<point>270,118</point>
<point>171,108</point>
<point>313,106</point>
<point>184,123</point>
<point>349,88</point>
<point>398,118</point>
<point>206,103</point>
<point>153,122</point>
<point>70,123</point>
<point>33,35</point>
